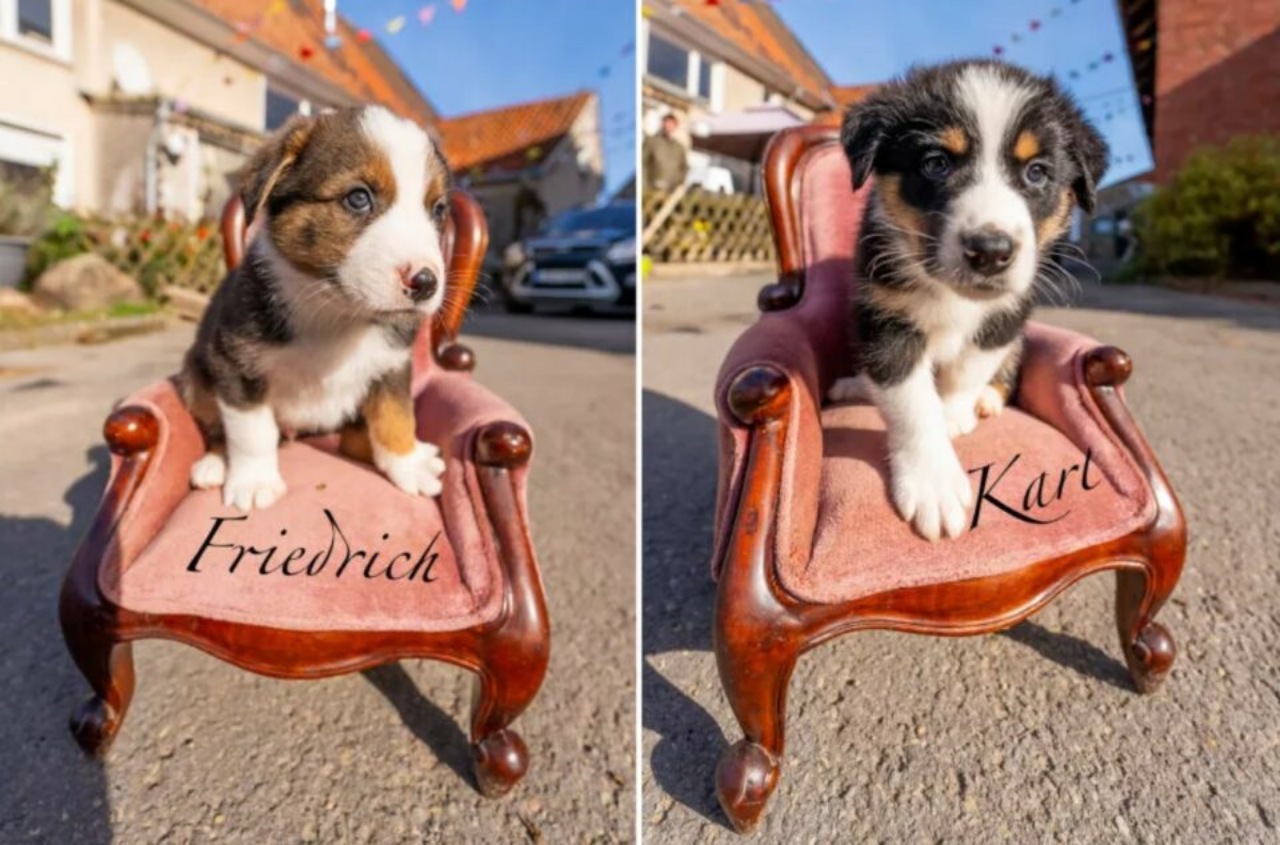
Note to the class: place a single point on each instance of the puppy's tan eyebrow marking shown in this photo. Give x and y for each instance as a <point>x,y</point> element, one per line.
<point>1027,146</point>
<point>954,140</point>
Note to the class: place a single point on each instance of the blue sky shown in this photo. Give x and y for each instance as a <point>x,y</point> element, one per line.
<point>859,41</point>
<point>498,52</point>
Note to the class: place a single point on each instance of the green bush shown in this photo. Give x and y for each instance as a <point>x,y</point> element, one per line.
<point>154,251</point>
<point>66,237</point>
<point>1219,217</point>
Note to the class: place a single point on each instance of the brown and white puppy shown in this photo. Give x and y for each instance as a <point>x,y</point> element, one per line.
<point>978,166</point>
<point>312,333</point>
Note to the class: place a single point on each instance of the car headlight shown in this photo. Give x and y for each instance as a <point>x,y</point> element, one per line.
<point>622,251</point>
<point>513,256</point>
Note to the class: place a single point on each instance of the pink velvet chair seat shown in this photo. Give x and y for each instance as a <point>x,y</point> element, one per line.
<point>149,569</point>
<point>862,546</point>
<point>388,592</point>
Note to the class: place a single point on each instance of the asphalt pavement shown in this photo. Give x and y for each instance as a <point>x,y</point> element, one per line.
<point>1034,735</point>
<point>212,753</point>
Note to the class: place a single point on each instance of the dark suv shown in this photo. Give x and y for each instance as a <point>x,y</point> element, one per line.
<point>581,258</point>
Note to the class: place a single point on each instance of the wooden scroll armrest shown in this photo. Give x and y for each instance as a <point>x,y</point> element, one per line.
<point>1063,375</point>
<point>470,423</point>
<point>154,441</point>
<point>767,394</point>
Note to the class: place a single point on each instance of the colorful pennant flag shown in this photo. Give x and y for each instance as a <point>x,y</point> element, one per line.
<point>427,14</point>
<point>395,24</point>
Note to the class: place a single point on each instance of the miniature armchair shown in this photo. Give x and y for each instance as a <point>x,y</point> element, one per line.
<point>457,580</point>
<point>808,545</point>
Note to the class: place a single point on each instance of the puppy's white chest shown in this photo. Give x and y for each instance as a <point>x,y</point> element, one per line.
<point>949,325</point>
<point>317,385</point>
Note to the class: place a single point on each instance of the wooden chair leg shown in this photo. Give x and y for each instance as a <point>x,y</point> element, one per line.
<point>755,682</point>
<point>514,660</point>
<point>498,753</point>
<point>108,667</point>
<point>1149,649</point>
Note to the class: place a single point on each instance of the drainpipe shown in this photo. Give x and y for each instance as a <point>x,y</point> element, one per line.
<point>151,162</point>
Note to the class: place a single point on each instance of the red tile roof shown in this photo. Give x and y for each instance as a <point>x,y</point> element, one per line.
<point>512,137</point>
<point>296,31</point>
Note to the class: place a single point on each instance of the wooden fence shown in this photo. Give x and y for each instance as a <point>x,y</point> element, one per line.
<point>707,227</point>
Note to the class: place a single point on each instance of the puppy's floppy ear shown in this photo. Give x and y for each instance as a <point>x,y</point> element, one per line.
<point>861,132</point>
<point>259,176</point>
<point>1089,154</point>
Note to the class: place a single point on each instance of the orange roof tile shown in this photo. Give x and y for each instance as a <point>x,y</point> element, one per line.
<point>503,138</point>
<point>756,29</point>
<point>296,31</point>
<point>845,96</point>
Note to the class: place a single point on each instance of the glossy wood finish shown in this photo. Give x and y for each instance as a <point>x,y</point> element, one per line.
<point>508,655</point>
<point>761,630</point>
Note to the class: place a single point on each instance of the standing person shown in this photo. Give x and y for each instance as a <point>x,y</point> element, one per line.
<point>665,159</point>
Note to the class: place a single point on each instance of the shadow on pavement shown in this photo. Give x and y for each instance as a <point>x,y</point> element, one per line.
<point>679,507</point>
<point>434,727</point>
<point>1072,653</point>
<point>614,334</point>
<point>53,792</point>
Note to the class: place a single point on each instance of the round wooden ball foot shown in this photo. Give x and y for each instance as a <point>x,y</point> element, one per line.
<point>94,724</point>
<point>500,760</point>
<point>1150,657</point>
<point>745,778</point>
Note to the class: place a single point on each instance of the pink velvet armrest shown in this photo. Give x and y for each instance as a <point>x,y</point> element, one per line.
<point>1053,388</point>
<point>166,481</point>
<point>783,341</point>
<point>452,409</point>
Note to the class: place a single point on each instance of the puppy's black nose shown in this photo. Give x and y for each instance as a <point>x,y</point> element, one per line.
<point>988,250</point>
<point>422,285</point>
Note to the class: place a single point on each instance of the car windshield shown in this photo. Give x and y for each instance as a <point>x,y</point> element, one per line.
<point>617,216</point>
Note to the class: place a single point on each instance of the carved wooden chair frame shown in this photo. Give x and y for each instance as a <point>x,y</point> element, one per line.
<point>508,655</point>
<point>761,630</point>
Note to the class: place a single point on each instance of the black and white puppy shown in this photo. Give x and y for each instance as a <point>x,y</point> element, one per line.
<point>312,333</point>
<point>978,165</point>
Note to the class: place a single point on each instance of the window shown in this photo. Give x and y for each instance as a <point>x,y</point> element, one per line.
<point>30,156</point>
<point>704,79</point>
<point>43,26</point>
<point>691,72</point>
<point>281,107</point>
<point>35,20</point>
<point>669,62</point>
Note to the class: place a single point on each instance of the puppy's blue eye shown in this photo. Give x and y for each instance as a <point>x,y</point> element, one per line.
<point>358,200</point>
<point>1036,174</point>
<point>439,210</point>
<point>935,165</point>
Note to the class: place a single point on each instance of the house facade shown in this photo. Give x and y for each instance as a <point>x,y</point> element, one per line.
<point>150,105</point>
<point>527,162</point>
<point>153,105</point>
<point>732,74</point>
<point>1205,70</point>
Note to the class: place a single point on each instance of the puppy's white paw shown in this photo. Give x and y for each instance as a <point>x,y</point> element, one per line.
<point>252,484</point>
<point>990,402</point>
<point>852,389</point>
<point>931,490</point>
<point>960,415</point>
<point>417,472</point>
<point>209,472</point>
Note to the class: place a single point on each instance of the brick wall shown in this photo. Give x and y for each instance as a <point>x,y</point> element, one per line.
<point>1217,75</point>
